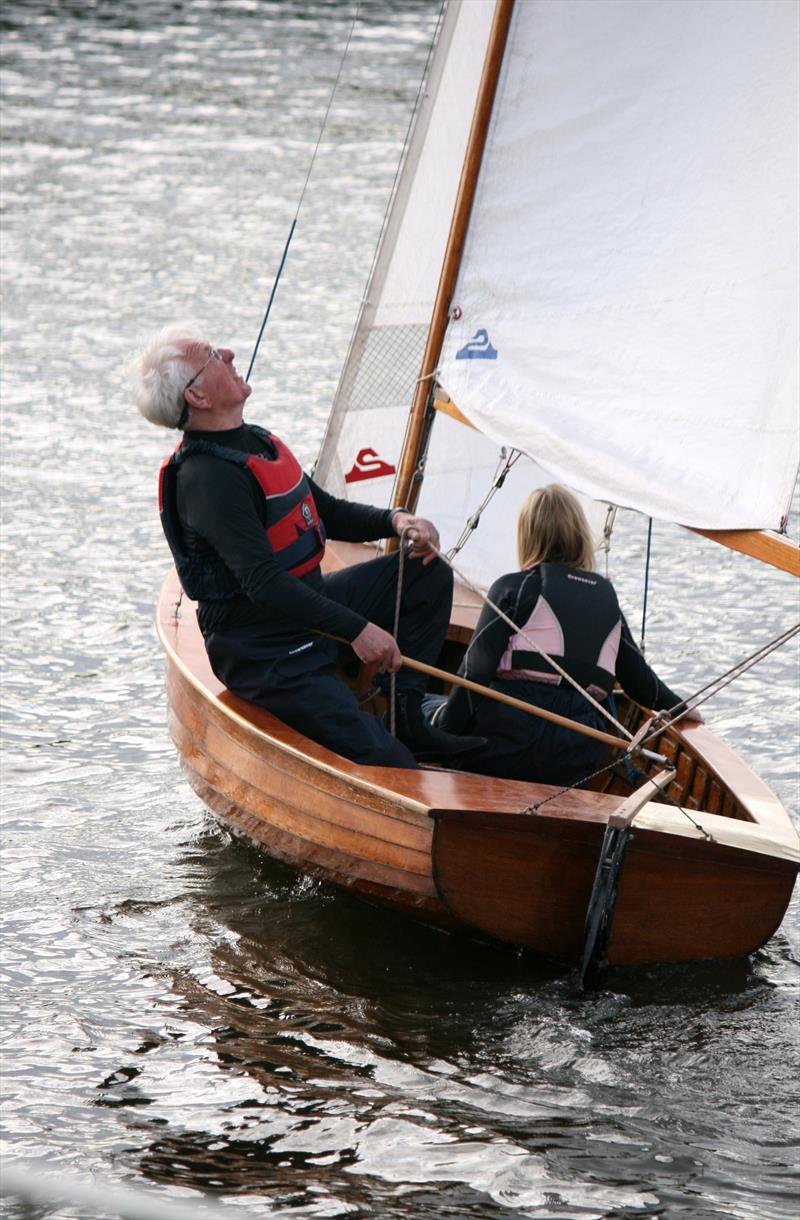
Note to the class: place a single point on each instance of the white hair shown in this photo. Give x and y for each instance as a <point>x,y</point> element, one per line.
<point>160,372</point>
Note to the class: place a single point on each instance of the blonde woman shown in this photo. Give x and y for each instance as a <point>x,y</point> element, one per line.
<point>558,600</point>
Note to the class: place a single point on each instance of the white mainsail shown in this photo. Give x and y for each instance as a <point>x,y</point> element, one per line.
<point>628,293</point>
<point>629,285</point>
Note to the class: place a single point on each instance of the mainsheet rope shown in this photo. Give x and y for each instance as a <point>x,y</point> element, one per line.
<point>646,580</point>
<point>396,627</point>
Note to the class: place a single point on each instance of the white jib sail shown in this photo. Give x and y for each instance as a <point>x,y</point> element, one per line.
<point>362,445</point>
<point>629,286</point>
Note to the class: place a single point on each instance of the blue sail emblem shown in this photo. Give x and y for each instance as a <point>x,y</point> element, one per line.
<point>478,348</point>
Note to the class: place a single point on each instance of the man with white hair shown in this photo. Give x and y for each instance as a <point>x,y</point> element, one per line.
<point>247,530</point>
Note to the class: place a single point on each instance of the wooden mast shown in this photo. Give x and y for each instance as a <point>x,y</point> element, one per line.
<point>406,489</point>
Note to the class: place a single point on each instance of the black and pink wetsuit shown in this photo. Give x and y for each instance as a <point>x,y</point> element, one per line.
<point>575,617</point>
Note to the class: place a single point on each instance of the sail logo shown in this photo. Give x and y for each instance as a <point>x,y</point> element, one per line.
<point>479,347</point>
<point>368,466</point>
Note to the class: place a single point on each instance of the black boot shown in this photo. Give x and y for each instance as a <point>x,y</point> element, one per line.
<point>424,740</point>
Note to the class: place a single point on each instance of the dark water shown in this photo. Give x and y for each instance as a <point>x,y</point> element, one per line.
<point>179,1012</point>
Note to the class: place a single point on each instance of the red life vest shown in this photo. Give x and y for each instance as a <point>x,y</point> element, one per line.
<point>293,526</point>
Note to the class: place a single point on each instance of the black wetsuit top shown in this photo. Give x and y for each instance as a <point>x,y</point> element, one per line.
<point>516,594</point>
<point>221,509</point>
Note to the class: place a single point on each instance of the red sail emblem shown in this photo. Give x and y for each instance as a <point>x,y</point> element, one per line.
<point>368,466</point>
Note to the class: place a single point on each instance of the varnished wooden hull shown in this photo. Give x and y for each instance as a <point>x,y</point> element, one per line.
<point>480,862</point>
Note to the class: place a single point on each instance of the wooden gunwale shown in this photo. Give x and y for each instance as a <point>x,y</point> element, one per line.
<point>407,793</point>
<point>410,795</point>
<point>745,794</point>
<point>321,817</point>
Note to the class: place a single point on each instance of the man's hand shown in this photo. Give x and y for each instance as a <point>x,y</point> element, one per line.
<point>692,716</point>
<point>422,534</point>
<point>374,646</point>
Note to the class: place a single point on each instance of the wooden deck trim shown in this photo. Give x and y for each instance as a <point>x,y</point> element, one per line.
<point>341,766</point>
<point>757,800</point>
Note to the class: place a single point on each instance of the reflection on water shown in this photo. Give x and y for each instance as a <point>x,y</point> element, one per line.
<point>177,1008</point>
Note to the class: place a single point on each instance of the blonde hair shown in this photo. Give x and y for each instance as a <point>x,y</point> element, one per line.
<point>552,528</point>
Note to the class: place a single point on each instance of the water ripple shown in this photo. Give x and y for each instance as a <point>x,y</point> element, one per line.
<point>177,1008</point>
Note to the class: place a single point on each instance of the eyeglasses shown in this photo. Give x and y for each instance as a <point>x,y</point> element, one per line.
<point>215,355</point>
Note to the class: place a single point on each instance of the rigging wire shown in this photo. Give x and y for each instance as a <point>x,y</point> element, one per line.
<point>401,159</point>
<point>668,798</point>
<point>387,212</point>
<point>505,462</point>
<point>608,529</point>
<point>293,225</point>
<point>718,684</point>
<point>646,580</point>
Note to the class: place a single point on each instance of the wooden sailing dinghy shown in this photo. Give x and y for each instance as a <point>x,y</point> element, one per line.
<point>547,278</point>
<point>460,850</point>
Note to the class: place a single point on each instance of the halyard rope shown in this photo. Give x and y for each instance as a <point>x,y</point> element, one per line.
<point>395,629</point>
<point>303,193</point>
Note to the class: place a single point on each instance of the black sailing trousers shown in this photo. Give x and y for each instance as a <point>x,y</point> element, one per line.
<point>300,685</point>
